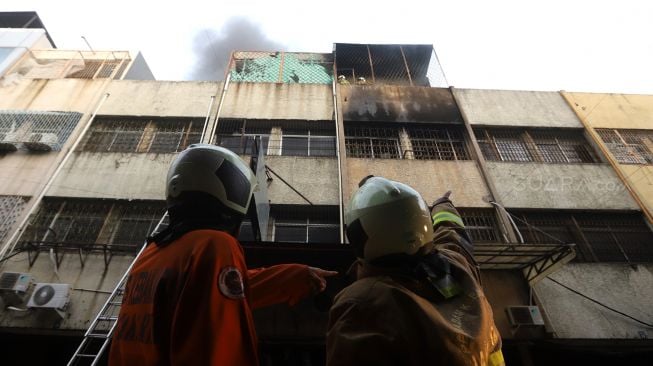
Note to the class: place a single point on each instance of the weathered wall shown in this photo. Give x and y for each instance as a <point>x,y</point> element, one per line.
<point>78,95</point>
<point>614,110</point>
<point>515,108</point>
<point>113,175</point>
<point>315,178</point>
<point>84,305</point>
<point>25,173</point>
<point>161,98</point>
<point>431,178</point>
<point>398,104</point>
<point>503,289</point>
<point>563,186</point>
<point>640,178</point>
<point>278,101</point>
<point>620,286</point>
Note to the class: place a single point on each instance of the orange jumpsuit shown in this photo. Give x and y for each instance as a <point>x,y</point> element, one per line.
<point>189,303</point>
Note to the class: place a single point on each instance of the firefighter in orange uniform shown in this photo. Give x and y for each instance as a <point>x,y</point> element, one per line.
<point>189,296</point>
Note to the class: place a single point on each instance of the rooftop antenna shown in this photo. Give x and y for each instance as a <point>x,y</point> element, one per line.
<point>88,44</point>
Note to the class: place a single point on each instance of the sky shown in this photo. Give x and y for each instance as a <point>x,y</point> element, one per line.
<point>573,45</point>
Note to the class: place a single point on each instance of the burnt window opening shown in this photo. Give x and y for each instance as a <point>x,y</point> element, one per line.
<point>409,142</point>
<point>599,237</point>
<point>305,224</point>
<point>629,146</point>
<point>535,145</point>
<point>481,224</point>
<point>85,222</point>
<point>279,137</point>
<point>142,135</point>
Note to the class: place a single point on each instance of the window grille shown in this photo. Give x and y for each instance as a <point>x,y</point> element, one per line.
<point>535,145</point>
<point>142,135</point>
<point>87,222</point>
<point>366,64</point>
<point>11,208</point>
<point>96,69</point>
<point>481,224</point>
<point>599,237</point>
<point>36,130</point>
<point>281,67</point>
<point>291,138</point>
<point>419,143</point>
<point>306,224</point>
<point>629,146</point>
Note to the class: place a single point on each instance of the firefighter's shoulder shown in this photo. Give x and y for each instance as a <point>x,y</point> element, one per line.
<point>208,240</point>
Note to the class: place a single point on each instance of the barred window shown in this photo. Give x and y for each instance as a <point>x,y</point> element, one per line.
<point>89,221</point>
<point>481,224</point>
<point>410,142</point>
<point>629,146</point>
<point>97,69</point>
<point>303,224</point>
<point>279,137</point>
<point>142,135</point>
<point>11,207</point>
<point>535,145</point>
<point>36,130</point>
<point>599,237</point>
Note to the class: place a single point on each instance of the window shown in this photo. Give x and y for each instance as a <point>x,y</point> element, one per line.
<point>142,135</point>
<point>409,142</point>
<point>279,137</point>
<point>40,131</point>
<point>10,209</point>
<point>305,224</point>
<point>629,146</point>
<point>83,222</point>
<point>535,145</point>
<point>372,143</point>
<point>481,224</point>
<point>599,237</point>
<point>97,69</point>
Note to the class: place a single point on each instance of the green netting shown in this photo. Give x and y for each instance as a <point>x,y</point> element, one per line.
<point>281,67</point>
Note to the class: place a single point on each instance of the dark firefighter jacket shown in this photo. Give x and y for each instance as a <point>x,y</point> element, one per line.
<point>189,303</point>
<point>390,317</point>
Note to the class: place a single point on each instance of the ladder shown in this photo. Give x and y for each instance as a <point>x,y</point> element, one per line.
<point>97,336</point>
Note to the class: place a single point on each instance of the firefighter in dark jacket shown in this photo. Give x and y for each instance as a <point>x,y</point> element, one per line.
<point>418,298</point>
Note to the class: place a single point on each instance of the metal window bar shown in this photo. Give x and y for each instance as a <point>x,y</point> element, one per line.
<point>36,130</point>
<point>535,145</point>
<point>11,207</point>
<point>629,146</point>
<point>142,135</point>
<point>438,144</point>
<point>305,224</point>
<point>481,224</point>
<point>372,142</point>
<point>281,67</point>
<point>411,65</point>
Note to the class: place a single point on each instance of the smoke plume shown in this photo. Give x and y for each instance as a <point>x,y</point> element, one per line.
<point>213,48</point>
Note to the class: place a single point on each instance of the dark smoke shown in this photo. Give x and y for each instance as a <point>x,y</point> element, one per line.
<point>213,48</point>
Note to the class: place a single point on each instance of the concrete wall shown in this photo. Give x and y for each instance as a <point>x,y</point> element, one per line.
<point>278,101</point>
<point>503,289</point>
<point>315,178</point>
<point>515,108</point>
<point>160,98</point>
<point>614,110</point>
<point>78,95</point>
<point>431,178</point>
<point>84,305</point>
<point>563,186</point>
<point>620,286</point>
<point>113,175</point>
<point>640,178</point>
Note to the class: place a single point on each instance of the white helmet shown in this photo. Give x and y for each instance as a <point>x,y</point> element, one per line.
<point>387,217</point>
<point>214,171</point>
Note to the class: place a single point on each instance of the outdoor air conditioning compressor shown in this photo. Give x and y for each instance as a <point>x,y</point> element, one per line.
<point>13,287</point>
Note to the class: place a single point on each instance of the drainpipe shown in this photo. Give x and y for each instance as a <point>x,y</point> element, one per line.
<point>9,246</point>
<point>340,199</point>
<point>613,162</point>
<point>217,114</point>
<point>208,115</point>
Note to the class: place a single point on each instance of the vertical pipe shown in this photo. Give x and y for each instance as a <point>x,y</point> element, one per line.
<point>338,157</point>
<point>410,79</point>
<point>369,55</point>
<point>206,120</point>
<point>217,114</point>
<point>9,246</point>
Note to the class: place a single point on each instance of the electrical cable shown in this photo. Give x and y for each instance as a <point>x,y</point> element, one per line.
<point>600,303</point>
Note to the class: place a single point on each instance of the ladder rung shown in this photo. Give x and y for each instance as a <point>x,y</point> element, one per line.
<point>85,355</point>
<point>107,318</point>
<point>98,335</point>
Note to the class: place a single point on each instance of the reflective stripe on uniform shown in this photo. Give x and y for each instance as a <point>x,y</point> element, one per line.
<point>447,216</point>
<point>496,359</point>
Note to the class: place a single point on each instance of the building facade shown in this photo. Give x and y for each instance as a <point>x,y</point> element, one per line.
<point>554,213</point>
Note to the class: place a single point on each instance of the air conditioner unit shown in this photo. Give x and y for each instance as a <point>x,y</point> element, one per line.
<point>13,286</point>
<point>50,296</point>
<point>8,141</point>
<point>41,141</point>
<point>525,315</point>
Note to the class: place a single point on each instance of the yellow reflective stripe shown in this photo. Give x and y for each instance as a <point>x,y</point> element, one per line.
<point>447,216</point>
<point>496,359</point>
